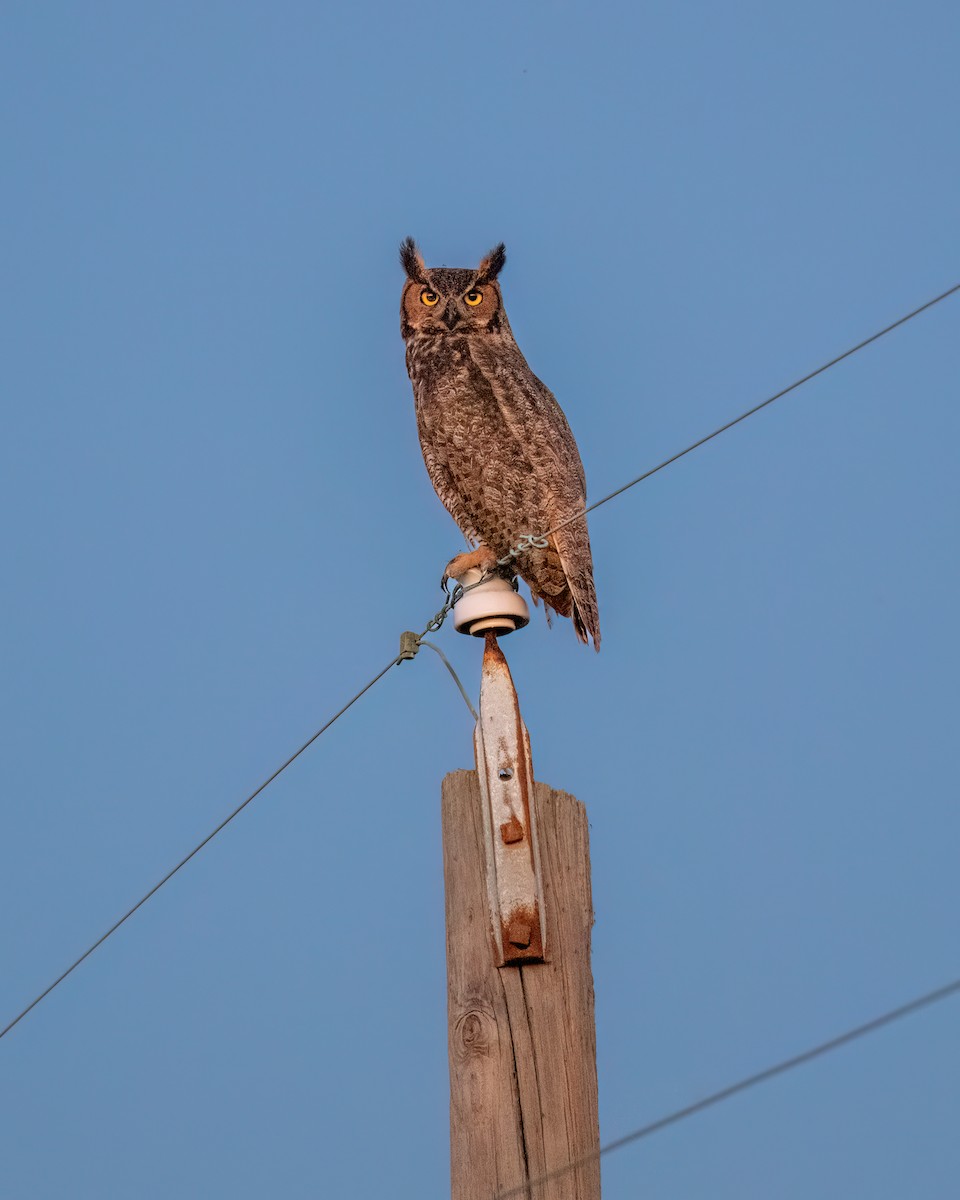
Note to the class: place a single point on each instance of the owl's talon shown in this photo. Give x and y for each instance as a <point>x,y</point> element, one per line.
<point>483,559</point>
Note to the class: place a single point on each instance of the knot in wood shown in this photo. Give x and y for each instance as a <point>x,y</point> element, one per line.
<point>472,1032</point>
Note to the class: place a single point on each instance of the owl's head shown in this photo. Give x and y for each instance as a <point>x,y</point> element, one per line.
<point>451,300</point>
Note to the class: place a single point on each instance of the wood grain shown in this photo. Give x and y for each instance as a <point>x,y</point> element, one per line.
<point>522,1042</point>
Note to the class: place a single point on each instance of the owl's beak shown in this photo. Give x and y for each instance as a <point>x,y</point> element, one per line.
<point>450,316</point>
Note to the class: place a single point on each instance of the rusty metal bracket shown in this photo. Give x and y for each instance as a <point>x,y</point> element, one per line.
<point>505,768</point>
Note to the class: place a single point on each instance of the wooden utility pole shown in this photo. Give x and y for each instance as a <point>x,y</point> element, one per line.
<point>522,1041</point>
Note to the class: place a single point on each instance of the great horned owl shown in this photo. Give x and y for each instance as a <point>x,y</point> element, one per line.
<point>496,444</point>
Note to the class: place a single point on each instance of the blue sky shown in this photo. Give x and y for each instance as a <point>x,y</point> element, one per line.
<point>217,523</point>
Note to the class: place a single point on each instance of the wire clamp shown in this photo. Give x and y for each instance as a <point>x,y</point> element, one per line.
<point>526,541</point>
<point>409,645</point>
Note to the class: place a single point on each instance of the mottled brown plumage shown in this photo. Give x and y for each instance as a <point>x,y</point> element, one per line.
<point>496,444</point>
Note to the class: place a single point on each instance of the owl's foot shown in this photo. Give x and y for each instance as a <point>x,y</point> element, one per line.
<point>482,558</point>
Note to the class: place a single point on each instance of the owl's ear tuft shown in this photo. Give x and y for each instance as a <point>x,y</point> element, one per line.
<point>491,266</point>
<point>412,261</point>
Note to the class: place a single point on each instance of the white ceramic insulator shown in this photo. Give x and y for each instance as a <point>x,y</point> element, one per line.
<point>493,605</point>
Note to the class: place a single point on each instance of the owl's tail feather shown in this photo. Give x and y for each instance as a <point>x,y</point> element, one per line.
<point>572,545</point>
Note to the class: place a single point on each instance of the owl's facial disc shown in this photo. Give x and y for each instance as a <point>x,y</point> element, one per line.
<point>449,302</point>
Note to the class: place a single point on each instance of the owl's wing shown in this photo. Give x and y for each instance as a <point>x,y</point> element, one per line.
<point>537,422</point>
<point>549,451</point>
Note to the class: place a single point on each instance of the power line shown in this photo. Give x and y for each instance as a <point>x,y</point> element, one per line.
<point>528,541</point>
<point>438,620</point>
<point>456,677</point>
<point>433,624</point>
<point>756,408</point>
<point>742,1085</point>
<point>197,848</point>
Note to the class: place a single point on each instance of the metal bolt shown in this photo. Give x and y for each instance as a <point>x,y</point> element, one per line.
<point>511,831</point>
<point>519,933</point>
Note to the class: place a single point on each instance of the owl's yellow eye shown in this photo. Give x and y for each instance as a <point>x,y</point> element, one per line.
<point>473,298</point>
<point>429,298</point>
